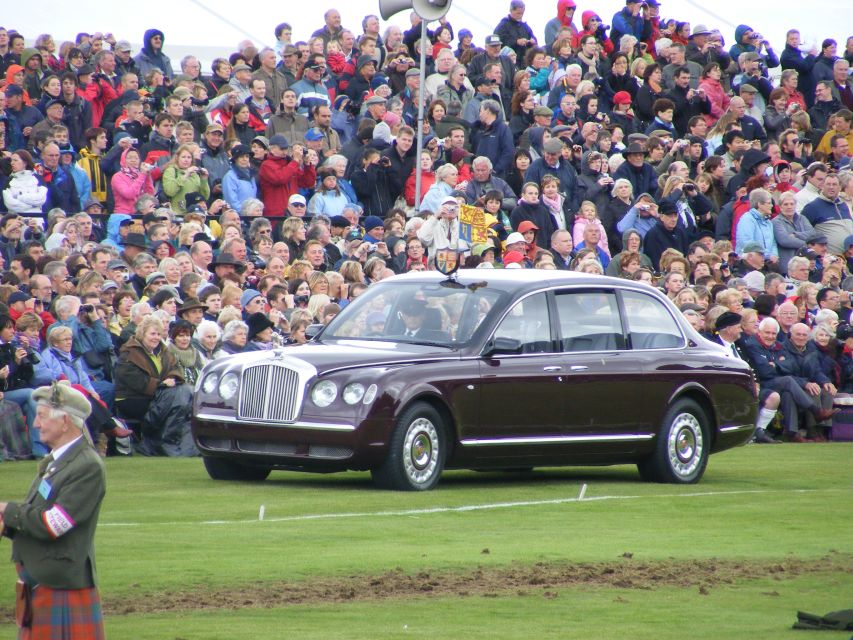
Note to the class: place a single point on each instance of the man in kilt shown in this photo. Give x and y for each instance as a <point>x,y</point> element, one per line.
<point>53,529</point>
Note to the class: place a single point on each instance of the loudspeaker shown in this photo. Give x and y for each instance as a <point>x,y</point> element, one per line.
<point>426,9</point>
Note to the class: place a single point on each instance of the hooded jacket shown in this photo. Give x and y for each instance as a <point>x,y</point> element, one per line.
<point>553,26</point>
<point>613,269</point>
<point>128,184</point>
<point>738,48</point>
<point>113,225</point>
<point>588,187</point>
<point>150,58</point>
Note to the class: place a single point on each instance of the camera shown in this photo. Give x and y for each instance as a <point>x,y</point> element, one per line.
<point>689,188</point>
<point>371,248</point>
<point>199,103</point>
<point>300,299</point>
<point>724,266</point>
<point>644,207</point>
<point>87,308</point>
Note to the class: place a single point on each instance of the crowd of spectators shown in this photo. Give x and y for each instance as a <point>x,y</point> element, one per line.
<point>157,217</point>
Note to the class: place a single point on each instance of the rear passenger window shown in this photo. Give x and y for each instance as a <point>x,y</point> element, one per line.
<point>528,322</point>
<point>589,321</point>
<point>650,323</point>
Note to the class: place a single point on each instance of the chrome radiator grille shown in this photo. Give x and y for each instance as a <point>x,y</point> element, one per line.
<point>269,393</point>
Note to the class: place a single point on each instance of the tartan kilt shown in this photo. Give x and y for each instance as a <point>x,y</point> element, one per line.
<point>65,614</point>
<point>14,437</point>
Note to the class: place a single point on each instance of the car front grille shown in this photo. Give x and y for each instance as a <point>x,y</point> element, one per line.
<point>269,392</point>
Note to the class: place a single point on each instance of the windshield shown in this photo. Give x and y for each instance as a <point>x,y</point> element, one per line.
<point>438,313</point>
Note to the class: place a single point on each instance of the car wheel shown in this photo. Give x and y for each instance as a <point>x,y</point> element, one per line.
<point>682,447</point>
<point>221,469</point>
<point>416,452</point>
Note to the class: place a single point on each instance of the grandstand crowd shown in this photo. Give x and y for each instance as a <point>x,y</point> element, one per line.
<point>156,216</point>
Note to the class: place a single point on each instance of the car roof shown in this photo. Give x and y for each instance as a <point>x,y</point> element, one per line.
<point>522,277</point>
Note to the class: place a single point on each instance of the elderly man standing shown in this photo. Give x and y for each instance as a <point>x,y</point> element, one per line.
<point>830,215</point>
<point>53,529</point>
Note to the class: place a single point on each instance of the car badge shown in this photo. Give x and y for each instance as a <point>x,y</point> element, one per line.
<point>447,261</point>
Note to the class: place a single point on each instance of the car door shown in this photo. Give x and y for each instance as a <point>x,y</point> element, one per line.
<point>658,344</point>
<point>521,393</point>
<point>603,379</point>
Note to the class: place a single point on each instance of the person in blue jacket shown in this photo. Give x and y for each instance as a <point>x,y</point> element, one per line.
<point>755,228</point>
<point>239,183</point>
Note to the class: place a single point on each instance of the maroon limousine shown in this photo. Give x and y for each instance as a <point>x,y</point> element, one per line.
<point>490,369</point>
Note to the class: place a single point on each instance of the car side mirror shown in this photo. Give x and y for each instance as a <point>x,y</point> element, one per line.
<point>313,330</point>
<point>503,345</point>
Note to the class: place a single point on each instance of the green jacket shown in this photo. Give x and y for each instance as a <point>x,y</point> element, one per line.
<point>53,530</point>
<point>178,183</point>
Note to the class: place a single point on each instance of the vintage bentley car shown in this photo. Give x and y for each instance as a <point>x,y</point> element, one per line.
<point>497,369</point>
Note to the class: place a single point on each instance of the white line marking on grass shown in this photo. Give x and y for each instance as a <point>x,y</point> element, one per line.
<point>468,508</point>
<point>582,493</point>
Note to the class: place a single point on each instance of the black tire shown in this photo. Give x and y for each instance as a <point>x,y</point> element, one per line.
<point>416,452</point>
<point>682,446</point>
<point>222,469</point>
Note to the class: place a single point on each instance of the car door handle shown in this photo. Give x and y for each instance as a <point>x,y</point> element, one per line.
<point>579,367</point>
<point>552,369</point>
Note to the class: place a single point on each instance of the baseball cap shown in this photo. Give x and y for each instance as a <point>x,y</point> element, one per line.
<point>296,198</point>
<point>493,40</point>
<point>122,45</point>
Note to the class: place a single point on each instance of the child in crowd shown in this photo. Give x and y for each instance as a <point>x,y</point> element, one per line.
<point>587,215</point>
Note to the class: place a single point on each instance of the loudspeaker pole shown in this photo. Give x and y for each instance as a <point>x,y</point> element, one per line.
<point>420,124</point>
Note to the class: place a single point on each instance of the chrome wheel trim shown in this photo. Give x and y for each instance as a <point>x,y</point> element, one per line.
<point>686,445</point>
<point>421,450</point>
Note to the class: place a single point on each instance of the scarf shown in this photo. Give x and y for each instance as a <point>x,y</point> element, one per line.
<point>263,346</point>
<point>244,173</point>
<point>133,174</point>
<point>187,358</point>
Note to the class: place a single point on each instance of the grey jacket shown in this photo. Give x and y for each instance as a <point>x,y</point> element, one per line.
<point>790,236</point>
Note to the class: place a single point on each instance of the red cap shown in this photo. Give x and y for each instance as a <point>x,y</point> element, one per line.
<point>622,97</point>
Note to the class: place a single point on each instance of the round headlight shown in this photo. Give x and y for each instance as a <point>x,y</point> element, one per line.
<point>228,385</point>
<point>210,382</point>
<point>324,393</point>
<point>353,393</point>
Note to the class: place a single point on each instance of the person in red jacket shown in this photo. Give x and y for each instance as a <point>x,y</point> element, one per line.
<point>96,90</point>
<point>282,175</point>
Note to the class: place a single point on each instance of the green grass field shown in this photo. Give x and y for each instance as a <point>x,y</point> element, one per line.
<point>766,532</point>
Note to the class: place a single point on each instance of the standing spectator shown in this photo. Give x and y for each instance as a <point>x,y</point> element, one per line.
<point>513,32</point>
<point>239,183</point>
<point>151,55</point>
<point>130,182</point>
<point>182,176</point>
<point>282,175</point>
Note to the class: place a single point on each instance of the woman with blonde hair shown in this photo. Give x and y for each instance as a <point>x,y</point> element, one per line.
<point>352,272</point>
<point>292,231</point>
<point>299,270</point>
<point>316,304</point>
<point>169,268</point>
<point>182,176</point>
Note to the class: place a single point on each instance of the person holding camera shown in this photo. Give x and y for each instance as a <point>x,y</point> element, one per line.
<point>441,231</point>
<point>96,89</point>
<point>749,40</point>
<point>183,176</point>
<point>16,387</point>
<point>704,48</point>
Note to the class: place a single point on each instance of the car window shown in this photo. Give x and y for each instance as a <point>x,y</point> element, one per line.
<point>528,322</point>
<point>589,321</point>
<point>650,323</point>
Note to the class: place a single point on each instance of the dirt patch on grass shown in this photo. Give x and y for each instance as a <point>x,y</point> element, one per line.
<point>544,579</point>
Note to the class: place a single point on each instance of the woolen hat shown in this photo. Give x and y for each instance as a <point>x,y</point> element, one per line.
<point>258,322</point>
<point>371,222</point>
<point>667,207</point>
<point>240,150</point>
<point>728,319</point>
<point>248,296</point>
<point>339,222</point>
<point>363,61</point>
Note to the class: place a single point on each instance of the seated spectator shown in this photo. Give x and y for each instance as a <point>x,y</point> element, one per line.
<point>189,360</point>
<point>150,387</point>
<point>234,338</point>
<point>206,340</point>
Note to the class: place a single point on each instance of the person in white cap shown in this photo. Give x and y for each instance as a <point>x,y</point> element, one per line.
<point>53,528</point>
<point>441,231</point>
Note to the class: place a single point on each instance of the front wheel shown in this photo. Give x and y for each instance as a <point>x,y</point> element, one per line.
<point>221,469</point>
<point>682,447</point>
<point>416,453</point>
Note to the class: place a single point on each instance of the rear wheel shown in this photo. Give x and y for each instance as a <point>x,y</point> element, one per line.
<point>221,469</point>
<point>682,447</point>
<point>416,453</point>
